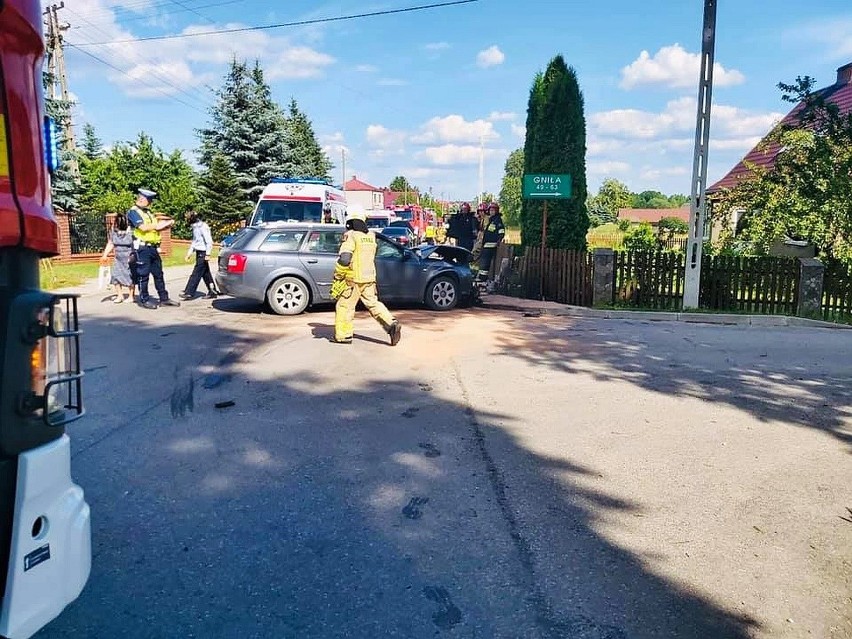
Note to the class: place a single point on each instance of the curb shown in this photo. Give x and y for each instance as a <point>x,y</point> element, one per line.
<point>721,319</point>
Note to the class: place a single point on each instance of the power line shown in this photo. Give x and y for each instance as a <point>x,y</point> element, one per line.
<point>161,74</point>
<point>299,23</point>
<point>159,14</point>
<point>122,71</point>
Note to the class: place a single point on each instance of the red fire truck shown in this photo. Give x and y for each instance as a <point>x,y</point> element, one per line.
<point>45,537</point>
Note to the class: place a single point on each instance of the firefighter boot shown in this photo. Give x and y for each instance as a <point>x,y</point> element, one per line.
<point>395,332</point>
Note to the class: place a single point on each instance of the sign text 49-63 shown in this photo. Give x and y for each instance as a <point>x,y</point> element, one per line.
<point>547,186</point>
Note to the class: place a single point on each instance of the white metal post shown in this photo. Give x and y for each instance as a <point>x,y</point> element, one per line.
<point>698,202</point>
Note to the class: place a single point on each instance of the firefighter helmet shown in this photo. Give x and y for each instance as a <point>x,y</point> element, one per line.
<point>357,215</point>
<point>494,206</point>
<point>465,207</point>
<point>482,207</point>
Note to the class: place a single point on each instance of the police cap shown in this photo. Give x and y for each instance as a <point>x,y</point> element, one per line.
<point>147,194</point>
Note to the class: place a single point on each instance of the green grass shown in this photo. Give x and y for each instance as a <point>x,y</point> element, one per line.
<point>68,274</point>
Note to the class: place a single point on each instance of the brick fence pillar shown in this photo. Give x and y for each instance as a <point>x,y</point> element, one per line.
<point>603,290</point>
<point>63,222</point>
<point>811,273</point>
<point>166,242</point>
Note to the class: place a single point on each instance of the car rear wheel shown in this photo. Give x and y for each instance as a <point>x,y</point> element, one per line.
<point>442,294</point>
<point>288,296</point>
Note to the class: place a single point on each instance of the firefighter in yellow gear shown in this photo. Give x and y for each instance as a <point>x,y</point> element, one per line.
<point>356,269</point>
<point>431,232</point>
<point>441,234</point>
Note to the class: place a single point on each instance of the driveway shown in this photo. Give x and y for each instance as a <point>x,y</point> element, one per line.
<point>492,476</point>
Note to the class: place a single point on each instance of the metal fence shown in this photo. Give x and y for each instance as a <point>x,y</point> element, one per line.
<point>88,232</point>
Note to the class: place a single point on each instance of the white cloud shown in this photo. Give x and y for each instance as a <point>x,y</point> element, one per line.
<point>518,130</point>
<point>674,66</point>
<point>608,167</point>
<point>455,154</point>
<point>392,82</point>
<point>334,144</point>
<point>174,66</point>
<point>135,80</point>
<point>679,117</point>
<point>455,129</point>
<point>490,57</point>
<point>831,35</point>
<point>383,138</point>
<point>437,46</point>
<point>298,63</point>
<point>649,173</point>
<point>502,116</point>
<point>366,68</point>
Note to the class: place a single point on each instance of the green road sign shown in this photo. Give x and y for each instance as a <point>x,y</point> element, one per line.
<point>547,186</point>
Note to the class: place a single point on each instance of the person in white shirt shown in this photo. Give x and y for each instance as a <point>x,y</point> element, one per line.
<point>201,246</point>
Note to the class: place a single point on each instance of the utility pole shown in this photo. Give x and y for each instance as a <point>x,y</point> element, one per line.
<point>481,169</point>
<point>57,73</point>
<point>698,202</point>
<point>343,167</point>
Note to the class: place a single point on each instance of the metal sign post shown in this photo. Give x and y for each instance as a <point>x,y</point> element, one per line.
<point>698,202</point>
<point>546,186</point>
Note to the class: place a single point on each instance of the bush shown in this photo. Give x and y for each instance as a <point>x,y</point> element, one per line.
<point>624,225</point>
<point>641,238</point>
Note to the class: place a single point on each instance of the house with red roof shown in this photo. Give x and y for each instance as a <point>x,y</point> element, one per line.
<point>363,196</point>
<point>653,216</point>
<point>764,154</point>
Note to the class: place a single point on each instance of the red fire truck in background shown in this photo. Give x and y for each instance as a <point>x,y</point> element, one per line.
<point>45,536</point>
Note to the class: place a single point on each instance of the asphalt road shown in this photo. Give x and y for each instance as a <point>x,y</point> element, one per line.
<point>492,476</point>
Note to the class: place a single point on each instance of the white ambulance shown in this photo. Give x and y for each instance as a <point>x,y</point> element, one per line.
<point>299,200</point>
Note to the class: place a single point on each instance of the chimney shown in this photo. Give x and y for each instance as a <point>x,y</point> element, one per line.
<point>844,75</point>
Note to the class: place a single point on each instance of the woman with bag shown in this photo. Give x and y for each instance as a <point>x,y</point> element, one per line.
<point>121,243</point>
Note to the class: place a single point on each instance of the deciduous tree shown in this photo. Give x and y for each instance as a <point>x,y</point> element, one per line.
<point>510,191</point>
<point>807,193</point>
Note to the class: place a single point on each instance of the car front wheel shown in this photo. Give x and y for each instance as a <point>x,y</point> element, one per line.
<point>288,296</point>
<point>442,294</point>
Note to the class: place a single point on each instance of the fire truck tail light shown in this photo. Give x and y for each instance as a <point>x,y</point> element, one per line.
<point>51,144</point>
<point>55,364</point>
<point>237,263</point>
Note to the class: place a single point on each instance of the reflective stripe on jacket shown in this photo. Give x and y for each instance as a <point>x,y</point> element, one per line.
<point>363,247</point>
<point>494,232</point>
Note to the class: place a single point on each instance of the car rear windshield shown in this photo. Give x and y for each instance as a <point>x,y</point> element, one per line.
<point>241,238</point>
<point>269,211</point>
<point>377,222</point>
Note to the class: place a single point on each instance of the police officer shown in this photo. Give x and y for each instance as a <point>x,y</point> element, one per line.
<point>146,233</point>
<point>492,235</point>
<point>356,271</point>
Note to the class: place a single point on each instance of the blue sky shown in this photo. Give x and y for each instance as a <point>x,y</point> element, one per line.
<point>416,93</point>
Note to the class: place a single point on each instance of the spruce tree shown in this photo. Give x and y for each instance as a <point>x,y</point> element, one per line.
<point>64,185</point>
<point>223,203</point>
<point>558,145</point>
<point>231,131</point>
<point>310,159</point>
<point>272,136</point>
<point>92,148</point>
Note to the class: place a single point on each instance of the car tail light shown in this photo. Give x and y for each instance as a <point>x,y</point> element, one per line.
<point>237,263</point>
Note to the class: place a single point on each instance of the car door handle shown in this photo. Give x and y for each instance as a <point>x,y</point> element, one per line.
<point>312,261</point>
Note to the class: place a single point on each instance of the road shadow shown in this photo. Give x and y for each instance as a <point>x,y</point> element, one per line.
<point>753,369</point>
<point>372,510</point>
